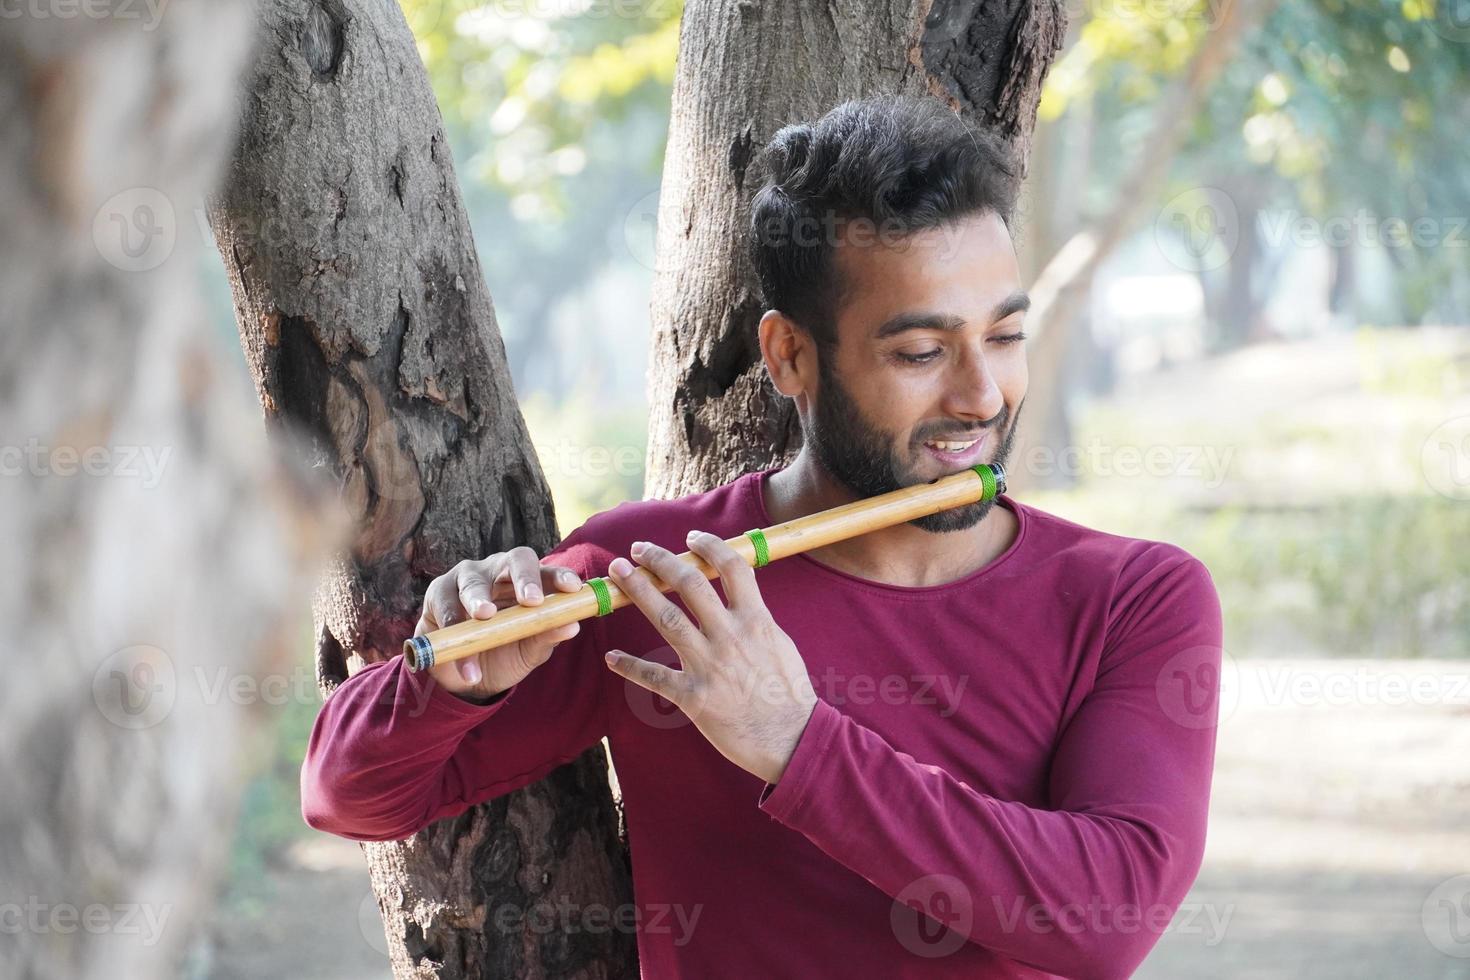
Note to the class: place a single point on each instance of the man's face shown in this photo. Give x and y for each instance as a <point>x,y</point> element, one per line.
<point>929,350</point>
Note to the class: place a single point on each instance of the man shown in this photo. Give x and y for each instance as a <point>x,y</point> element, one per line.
<point>967,746</point>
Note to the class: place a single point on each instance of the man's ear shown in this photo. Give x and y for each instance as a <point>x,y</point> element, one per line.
<point>787,351</point>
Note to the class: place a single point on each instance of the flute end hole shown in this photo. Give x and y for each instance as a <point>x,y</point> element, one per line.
<point>418,653</point>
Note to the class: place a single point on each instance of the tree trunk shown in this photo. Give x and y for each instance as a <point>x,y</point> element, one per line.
<point>1342,287</point>
<point>1246,288</point>
<point>154,552</point>
<point>368,328</point>
<point>745,70</point>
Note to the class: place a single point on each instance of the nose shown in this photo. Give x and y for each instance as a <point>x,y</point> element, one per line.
<point>972,391</point>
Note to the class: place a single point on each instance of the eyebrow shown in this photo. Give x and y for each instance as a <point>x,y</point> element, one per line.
<point>1016,302</point>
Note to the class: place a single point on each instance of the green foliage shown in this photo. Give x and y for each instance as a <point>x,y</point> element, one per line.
<point>1348,100</point>
<point>1372,576</point>
<point>1323,91</point>
<point>1126,51</point>
<point>1332,107</point>
<point>526,83</point>
<point>1392,366</point>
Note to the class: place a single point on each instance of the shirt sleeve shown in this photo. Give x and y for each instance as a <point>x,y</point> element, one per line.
<point>391,751</point>
<point>1083,889</point>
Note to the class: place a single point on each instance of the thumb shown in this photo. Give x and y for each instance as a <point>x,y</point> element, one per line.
<point>536,650</point>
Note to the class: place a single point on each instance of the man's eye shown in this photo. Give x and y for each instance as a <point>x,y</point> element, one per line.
<point>1010,338</point>
<point>920,358</point>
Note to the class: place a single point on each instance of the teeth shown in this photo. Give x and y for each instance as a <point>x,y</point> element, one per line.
<point>952,447</point>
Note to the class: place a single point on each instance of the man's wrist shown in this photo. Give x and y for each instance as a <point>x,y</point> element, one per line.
<point>787,739</point>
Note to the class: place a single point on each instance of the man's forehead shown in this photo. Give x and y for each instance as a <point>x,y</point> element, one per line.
<point>970,263</point>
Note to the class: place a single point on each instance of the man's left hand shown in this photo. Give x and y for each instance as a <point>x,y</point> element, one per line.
<point>743,683</point>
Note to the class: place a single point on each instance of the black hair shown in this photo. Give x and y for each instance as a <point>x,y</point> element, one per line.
<point>904,163</point>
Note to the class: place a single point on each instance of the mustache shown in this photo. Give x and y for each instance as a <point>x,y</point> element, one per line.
<point>998,421</point>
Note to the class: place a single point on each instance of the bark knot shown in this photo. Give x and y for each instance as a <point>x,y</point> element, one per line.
<point>321,41</point>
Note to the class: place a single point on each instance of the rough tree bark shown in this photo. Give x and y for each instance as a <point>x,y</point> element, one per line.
<point>745,70</point>
<point>368,327</point>
<point>153,552</point>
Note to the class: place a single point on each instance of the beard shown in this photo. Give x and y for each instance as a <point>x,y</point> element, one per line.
<point>863,458</point>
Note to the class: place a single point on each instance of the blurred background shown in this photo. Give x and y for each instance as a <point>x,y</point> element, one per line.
<point>1270,367</point>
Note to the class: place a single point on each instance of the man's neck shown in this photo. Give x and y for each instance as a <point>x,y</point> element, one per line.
<point>903,555</point>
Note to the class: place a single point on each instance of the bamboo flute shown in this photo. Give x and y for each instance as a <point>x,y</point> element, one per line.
<point>758,547</point>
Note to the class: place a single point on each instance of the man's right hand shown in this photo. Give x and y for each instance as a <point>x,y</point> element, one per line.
<point>477,589</point>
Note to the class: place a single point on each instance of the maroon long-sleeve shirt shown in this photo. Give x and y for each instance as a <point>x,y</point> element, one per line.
<point>1005,776</point>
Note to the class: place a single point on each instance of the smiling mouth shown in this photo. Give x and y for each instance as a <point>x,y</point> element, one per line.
<point>957,452</point>
<point>952,445</point>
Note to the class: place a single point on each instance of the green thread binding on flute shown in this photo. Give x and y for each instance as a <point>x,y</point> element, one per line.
<point>604,598</point>
<point>762,549</point>
<point>987,480</point>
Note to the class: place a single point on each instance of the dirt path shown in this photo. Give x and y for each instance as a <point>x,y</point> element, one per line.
<point>323,925</point>
<point>1341,803</point>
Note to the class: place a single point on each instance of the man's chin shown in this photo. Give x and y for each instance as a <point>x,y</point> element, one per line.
<point>960,518</point>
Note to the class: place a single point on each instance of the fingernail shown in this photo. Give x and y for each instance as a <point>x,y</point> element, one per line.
<point>532,592</point>
<point>691,535</point>
<point>611,657</point>
<point>620,566</point>
<point>568,577</point>
<point>637,548</point>
<point>482,608</point>
<point>469,669</point>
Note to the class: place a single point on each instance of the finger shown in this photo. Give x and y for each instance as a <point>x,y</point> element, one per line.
<point>559,577</point>
<point>666,617</point>
<point>502,592</point>
<point>425,624</point>
<point>525,575</point>
<point>441,600</point>
<point>554,578</point>
<point>736,576</point>
<point>648,675</point>
<point>687,580</point>
<point>474,590</point>
<point>469,670</point>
